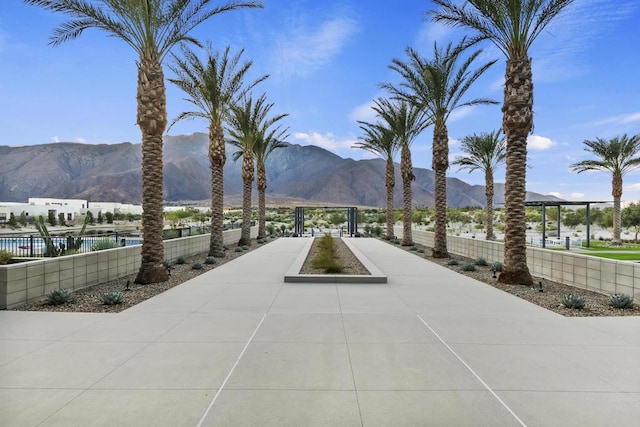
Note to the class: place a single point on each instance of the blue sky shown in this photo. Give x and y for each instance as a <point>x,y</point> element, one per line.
<point>325,61</point>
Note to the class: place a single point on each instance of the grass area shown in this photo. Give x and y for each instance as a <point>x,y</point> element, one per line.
<point>326,258</point>
<point>616,256</point>
<point>598,245</point>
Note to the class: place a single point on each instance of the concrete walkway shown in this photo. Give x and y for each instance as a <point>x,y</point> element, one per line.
<point>239,347</point>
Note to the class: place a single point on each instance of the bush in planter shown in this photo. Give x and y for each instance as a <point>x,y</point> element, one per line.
<point>5,257</point>
<point>621,301</point>
<point>59,296</point>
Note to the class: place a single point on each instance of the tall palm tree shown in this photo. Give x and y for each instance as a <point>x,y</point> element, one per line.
<point>213,87</point>
<point>152,28</point>
<point>485,152</point>
<point>437,86</point>
<point>263,148</point>
<point>249,126</point>
<point>405,122</point>
<point>378,139</point>
<point>512,26</point>
<point>617,157</point>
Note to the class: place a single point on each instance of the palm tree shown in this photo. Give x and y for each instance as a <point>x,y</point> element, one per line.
<point>248,128</point>
<point>378,139</point>
<point>617,156</point>
<point>437,86</point>
<point>213,87</point>
<point>263,148</point>
<point>512,26</point>
<point>405,122</point>
<point>152,28</point>
<point>485,152</point>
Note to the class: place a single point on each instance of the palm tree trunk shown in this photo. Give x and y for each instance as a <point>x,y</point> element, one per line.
<point>262,188</point>
<point>488,192</point>
<point>440,165</point>
<point>407,177</point>
<point>152,119</point>
<point>390,182</point>
<point>247,183</point>
<point>617,212</point>
<point>517,123</point>
<point>217,158</point>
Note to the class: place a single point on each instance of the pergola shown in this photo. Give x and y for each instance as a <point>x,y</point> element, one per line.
<point>559,204</point>
<point>352,218</point>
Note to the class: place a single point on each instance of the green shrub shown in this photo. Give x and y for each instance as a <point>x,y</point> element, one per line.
<point>209,260</point>
<point>496,266</point>
<point>197,266</point>
<point>244,247</point>
<point>573,301</point>
<point>58,297</point>
<point>5,257</point>
<point>452,262</point>
<point>238,249</point>
<point>621,301</point>
<point>167,263</point>
<point>396,241</point>
<point>181,260</point>
<point>104,243</point>
<point>413,248</point>
<point>420,251</point>
<point>112,298</point>
<point>481,262</point>
<point>468,267</point>
<point>326,259</point>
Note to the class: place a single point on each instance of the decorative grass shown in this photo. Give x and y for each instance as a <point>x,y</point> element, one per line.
<point>326,258</point>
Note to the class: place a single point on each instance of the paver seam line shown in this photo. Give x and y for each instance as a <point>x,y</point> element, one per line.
<point>522,423</point>
<point>213,401</point>
<point>346,340</point>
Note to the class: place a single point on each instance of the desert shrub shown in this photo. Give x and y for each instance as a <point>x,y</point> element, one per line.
<point>244,247</point>
<point>468,267</point>
<point>420,251</point>
<point>396,241</point>
<point>58,297</point>
<point>238,249</point>
<point>452,262</point>
<point>326,258</point>
<point>104,243</point>
<point>5,257</point>
<point>481,262</point>
<point>209,260</point>
<point>621,301</point>
<point>167,263</point>
<point>197,266</point>
<point>413,248</point>
<point>496,266</point>
<point>573,301</point>
<point>112,298</point>
<point>181,260</point>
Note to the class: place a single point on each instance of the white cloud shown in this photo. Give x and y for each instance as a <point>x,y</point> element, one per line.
<point>619,120</point>
<point>363,112</point>
<point>539,143</point>
<point>431,32</point>
<point>555,194</point>
<point>55,139</point>
<point>633,187</point>
<point>461,113</point>
<point>81,140</point>
<point>300,52</point>
<point>577,195</point>
<point>327,140</point>
<point>454,142</point>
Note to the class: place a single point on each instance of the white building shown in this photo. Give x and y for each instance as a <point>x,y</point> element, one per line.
<point>116,208</point>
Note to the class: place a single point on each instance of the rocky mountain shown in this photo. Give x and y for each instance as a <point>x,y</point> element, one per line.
<point>300,173</point>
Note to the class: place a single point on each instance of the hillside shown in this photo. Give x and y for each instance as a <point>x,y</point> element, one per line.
<point>295,173</point>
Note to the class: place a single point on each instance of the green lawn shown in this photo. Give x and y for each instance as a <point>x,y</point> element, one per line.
<point>616,256</point>
<point>598,245</point>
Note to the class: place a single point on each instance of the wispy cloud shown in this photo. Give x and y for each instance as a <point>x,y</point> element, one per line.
<point>577,195</point>
<point>55,139</point>
<point>363,112</point>
<point>556,194</point>
<point>300,51</point>
<point>619,120</point>
<point>539,143</point>
<point>328,141</point>
<point>632,187</point>
<point>461,113</point>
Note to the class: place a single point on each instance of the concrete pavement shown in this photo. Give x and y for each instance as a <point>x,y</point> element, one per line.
<point>239,347</point>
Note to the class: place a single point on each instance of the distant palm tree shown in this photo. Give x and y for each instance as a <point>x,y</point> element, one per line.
<point>263,148</point>
<point>512,26</point>
<point>378,139</point>
<point>617,156</point>
<point>152,28</point>
<point>437,87</point>
<point>405,122</point>
<point>485,152</point>
<point>213,87</point>
<point>249,126</point>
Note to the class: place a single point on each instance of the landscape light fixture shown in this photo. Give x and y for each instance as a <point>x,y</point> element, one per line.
<point>128,288</point>
<point>494,272</point>
<point>540,286</point>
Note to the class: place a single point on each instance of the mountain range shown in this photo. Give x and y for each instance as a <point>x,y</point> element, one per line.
<point>296,175</point>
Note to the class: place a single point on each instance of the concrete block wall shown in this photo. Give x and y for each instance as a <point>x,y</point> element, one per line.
<point>582,271</point>
<point>31,281</point>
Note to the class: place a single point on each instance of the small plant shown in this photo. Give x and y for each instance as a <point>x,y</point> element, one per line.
<point>573,301</point>
<point>452,262</point>
<point>181,260</point>
<point>167,263</point>
<point>496,266</point>
<point>209,260</point>
<point>244,247</point>
<point>104,243</point>
<point>481,262</point>
<point>420,251</point>
<point>413,248</point>
<point>238,249</point>
<point>5,257</point>
<point>468,267</point>
<point>396,241</point>
<point>58,297</point>
<point>112,298</point>
<point>621,301</point>
<point>197,266</point>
